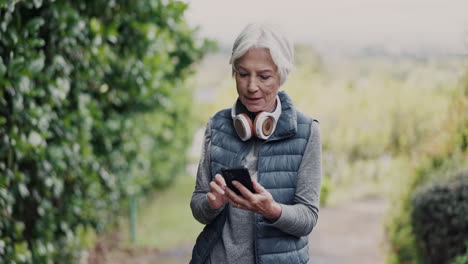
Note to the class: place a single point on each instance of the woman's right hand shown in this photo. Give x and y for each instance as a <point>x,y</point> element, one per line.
<point>217,196</point>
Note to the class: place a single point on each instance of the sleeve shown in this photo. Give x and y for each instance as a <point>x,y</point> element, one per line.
<point>199,203</point>
<point>300,218</point>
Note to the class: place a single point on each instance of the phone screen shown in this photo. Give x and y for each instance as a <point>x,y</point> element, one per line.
<point>237,174</point>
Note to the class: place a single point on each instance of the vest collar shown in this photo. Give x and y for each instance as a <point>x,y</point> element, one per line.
<point>287,123</point>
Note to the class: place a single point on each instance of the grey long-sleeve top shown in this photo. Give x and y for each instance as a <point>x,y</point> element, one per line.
<point>237,241</point>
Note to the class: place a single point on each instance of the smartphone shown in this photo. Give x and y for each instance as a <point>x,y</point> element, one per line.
<point>237,174</point>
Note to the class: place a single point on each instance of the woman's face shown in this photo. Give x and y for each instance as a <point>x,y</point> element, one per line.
<point>257,80</point>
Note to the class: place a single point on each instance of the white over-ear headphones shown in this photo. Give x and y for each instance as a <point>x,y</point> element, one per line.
<point>263,126</point>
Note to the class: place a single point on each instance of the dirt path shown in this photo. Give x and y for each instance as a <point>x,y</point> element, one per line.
<point>349,233</point>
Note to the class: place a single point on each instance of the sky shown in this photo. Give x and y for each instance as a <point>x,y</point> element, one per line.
<point>398,25</point>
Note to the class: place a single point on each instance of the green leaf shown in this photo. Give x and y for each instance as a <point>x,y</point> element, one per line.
<point>3,68</point>
<point>24,85</point>
<point>95,25</point>
<point>37,64</point>
<point>23,190</point>
<point>37,3</point>
<point>13,37</point>
<point>35,138</point>
<point>2,245</point>
<point>34,24</point>
<point>16,65</point>
<point>36,43</point>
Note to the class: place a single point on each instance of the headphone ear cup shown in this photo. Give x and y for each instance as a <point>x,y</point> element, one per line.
<point>243,126</point>
<point>264,125</point>
<point>268,126</point>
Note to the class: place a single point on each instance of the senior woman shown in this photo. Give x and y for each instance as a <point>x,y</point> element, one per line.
<point>281,149</point>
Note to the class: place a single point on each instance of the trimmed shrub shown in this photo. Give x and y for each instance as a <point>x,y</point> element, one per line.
<point>92,108</point>
<point>440,219</point>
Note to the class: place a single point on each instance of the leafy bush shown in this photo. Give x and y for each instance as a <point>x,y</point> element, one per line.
<point>92,108</point>
<point>440,219</point>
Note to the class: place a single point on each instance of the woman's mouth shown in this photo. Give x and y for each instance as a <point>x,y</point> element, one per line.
<point>253,100</point>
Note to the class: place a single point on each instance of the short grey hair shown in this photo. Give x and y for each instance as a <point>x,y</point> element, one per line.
<point>263,35</point>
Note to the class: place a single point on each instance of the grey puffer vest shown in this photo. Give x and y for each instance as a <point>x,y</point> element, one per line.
<point>279,159</point>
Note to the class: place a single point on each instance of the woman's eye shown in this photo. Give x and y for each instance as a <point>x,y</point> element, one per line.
<point>242,74</point>
<point>264,77</point>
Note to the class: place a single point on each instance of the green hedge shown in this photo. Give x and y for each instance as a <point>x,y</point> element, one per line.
<point>92,108</point>
<point>440,219</point>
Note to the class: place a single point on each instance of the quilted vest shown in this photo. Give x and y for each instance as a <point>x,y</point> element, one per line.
<point>279,159</point>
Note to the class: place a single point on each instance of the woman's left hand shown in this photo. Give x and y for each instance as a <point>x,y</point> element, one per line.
<point>260,202</point>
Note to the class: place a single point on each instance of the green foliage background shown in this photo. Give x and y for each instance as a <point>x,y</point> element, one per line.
<point>93,107</point>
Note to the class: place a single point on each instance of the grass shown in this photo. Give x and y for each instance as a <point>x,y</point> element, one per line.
<point>165,220</point>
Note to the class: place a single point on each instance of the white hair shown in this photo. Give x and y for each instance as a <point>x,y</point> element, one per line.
<point>262,35</point>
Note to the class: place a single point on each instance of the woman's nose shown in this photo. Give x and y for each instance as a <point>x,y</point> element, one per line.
<point>252,86</point>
